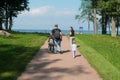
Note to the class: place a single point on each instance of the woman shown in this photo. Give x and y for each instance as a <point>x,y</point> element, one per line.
<point>71,33</point>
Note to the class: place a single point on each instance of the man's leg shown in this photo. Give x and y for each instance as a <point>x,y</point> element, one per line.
<point>55,47</point>
<point>59,45</point>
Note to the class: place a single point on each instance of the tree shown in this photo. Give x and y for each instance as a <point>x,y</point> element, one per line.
<point>12,8</point>
<point>89,11</point>
<point>105,17</point>
<point>111,8</point>
<point>94,4</point>
<point>86,13</point>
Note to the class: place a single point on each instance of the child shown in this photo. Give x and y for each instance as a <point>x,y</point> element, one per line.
<point>74,47</point>
<point>50,44</point>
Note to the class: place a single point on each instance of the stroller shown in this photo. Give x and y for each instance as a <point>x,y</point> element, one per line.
<point>50,45</point>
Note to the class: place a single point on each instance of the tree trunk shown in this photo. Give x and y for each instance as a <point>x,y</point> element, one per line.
<point>6,15</point>
<point>6,24</point>
<point>106,20</point>
<point>88,24</point>
<point>103,23</point>
<point>113,34</point>
<point>117,31</point>
<point>1,24</point>
<point>117,25</point>
<point>10,21</point>
<point>95,22</point>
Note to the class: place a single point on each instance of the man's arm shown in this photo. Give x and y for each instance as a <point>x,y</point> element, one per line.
<point>61,36</point>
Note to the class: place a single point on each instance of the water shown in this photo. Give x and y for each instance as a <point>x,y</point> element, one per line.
<point>48,31</point>
<point>63,31</point>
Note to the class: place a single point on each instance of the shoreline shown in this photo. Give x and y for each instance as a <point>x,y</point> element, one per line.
<point>63,31</point>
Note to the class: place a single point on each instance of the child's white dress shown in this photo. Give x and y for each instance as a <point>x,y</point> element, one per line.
<point>74,46</point>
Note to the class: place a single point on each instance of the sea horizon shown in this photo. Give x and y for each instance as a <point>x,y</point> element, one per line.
<point>63,31</point>
<point>48,31</point>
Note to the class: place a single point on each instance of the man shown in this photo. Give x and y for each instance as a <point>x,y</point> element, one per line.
<point>57,36</point>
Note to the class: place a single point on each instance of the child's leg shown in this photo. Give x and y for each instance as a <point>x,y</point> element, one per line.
<point>74,52</point>
<point>48,48</point>
<point>52,49</point>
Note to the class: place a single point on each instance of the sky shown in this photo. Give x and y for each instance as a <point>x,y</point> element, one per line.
<point>44,14</point>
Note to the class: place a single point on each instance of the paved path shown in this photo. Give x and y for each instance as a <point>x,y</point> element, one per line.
<point>49,66</point>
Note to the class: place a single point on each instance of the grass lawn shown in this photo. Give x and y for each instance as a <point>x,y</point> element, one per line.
<point>17,51</point>
<point>103,53</point>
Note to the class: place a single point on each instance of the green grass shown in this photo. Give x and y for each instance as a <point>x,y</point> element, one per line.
<point>16,52</point>
<point>103,53</point>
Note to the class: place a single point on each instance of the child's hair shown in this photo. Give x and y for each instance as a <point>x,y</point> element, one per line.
<point>50,37</point>
<point>50,41</point>
<point>73,41</point>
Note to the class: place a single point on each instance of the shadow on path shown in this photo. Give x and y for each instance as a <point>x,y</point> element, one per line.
<point>47,66</point>
<point>40,70</point>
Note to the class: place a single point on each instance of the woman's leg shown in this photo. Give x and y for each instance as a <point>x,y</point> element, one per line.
<point>71,41</point>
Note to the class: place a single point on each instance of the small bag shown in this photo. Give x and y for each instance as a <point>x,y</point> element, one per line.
<point>70,33</point>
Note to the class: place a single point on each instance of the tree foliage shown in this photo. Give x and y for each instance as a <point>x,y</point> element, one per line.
<point>111,7</point>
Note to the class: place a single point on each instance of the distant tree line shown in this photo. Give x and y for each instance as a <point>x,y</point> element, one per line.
<point>108,10</point>
<point>10,9</point>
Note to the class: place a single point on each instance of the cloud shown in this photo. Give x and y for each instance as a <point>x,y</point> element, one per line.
<point>49,11</point>
<point>64,12</point>
<point>41,11</point>
<point>45,17</point>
